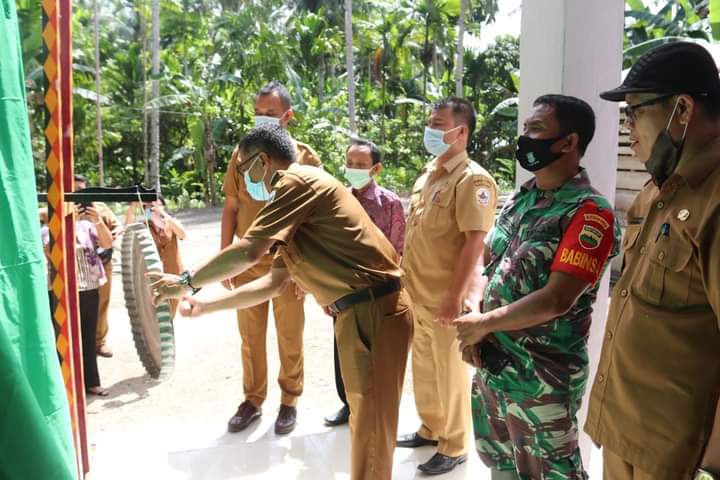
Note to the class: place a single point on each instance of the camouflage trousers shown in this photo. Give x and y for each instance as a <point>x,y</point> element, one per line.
<point>536,437</point>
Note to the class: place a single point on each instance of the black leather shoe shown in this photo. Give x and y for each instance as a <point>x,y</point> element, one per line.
<point>414,440</point>
<point>340,417</point>
<point>286,420</point>
<point>440,464</point>
<point>245,415</point>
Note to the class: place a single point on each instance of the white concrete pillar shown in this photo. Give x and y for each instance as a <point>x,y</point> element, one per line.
<point>574,47</point>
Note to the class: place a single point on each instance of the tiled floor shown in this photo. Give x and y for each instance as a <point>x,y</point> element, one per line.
<point>207,452</point>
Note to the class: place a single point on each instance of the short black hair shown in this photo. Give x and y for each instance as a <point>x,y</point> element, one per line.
<point>573,115</point>
<point>460,108</point>
<point>374,150</point>
<point>80,178</point>
<point>271,139</point>
<point>278,88</point>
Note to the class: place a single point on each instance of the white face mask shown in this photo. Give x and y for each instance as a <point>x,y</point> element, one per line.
<point>265,120</point>
<point>358,177</point>
<point>434,141</point>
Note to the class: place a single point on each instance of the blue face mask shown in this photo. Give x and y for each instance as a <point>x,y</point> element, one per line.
<point>434,143</point>
<point>148,213</point>
<point>265,120</point>
<point>257,190</point>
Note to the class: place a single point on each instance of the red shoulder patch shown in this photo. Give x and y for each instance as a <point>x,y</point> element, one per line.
<point>586,245</point>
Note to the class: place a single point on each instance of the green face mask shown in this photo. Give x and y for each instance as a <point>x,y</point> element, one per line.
<point>357,177</point>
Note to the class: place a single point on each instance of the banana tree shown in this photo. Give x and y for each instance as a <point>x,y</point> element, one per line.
<point>648,26</point>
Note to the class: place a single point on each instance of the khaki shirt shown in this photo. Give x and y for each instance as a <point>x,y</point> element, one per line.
<point>167,245</point>
<point>446,203</point>
<point>326,239</point>
<point>111,222</point>
<point>107,217</point>
<point>657,385</point>
<point>234,186</point>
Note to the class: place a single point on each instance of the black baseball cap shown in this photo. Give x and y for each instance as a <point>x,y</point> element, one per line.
<point>670,69</point>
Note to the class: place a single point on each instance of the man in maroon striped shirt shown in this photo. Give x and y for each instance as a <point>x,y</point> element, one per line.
<point>363,162</point>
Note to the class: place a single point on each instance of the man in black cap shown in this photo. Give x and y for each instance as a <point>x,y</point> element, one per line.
<point>654,402</point>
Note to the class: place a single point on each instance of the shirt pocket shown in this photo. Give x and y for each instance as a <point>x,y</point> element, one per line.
<point>629,242</point>
<point>415,200</point>
<point>440,212</point>
<point>668,277</point>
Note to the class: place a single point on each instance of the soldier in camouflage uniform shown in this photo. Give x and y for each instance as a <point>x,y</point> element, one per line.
<point>548,250</point>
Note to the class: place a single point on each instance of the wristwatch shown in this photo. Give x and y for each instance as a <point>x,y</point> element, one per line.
<point>702,474</point>
<point>185,279</point>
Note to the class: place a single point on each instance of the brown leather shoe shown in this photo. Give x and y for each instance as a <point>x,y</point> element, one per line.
<point>245,415</point>
<point>104,351</point>
<point>286,420</point>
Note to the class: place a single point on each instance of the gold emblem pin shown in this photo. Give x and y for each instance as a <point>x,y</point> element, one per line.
<point>683,215</point>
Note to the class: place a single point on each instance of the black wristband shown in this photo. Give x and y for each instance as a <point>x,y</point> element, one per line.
<point>186,279</point>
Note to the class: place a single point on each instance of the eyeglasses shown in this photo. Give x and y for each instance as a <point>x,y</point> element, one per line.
<point>248,164</point>
<point>630,111</point>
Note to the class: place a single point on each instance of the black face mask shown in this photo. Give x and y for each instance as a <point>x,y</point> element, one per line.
<point>534,153</point>
<point>665,154</point>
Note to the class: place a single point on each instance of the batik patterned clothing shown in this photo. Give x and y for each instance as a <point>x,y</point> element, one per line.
<point>386,211</point>
<point>89,267</point>
<point>524,414</point>
<point>90,272</point>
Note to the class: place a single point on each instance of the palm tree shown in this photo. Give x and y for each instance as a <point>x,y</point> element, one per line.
<point>459,65</point>
<point>98,114</point>
<point>350,69</point>
<point>153,178</point>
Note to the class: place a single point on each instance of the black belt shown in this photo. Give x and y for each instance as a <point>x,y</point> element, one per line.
<point>365,295</point>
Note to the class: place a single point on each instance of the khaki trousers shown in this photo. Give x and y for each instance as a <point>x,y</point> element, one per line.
<point>373,340</point>
<point>103,307</point>
<point>615,468</point>
<point>252,322</point>
<point>440,383</point>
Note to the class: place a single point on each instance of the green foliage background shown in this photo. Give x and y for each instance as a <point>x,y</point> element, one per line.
<point>215,55</point>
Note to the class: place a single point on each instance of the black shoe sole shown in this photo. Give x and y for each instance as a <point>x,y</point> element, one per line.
<point>443,472</point>
<point>232,428</point>
<point>341,417</point>
<point>335,423</point>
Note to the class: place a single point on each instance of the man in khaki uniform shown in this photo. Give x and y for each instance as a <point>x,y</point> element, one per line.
<point>452,208</point>
<point>108,218</point>
<point>654,402</point>
<point>272,106</point>
<point>325,242</point>
<point>166,231</point>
